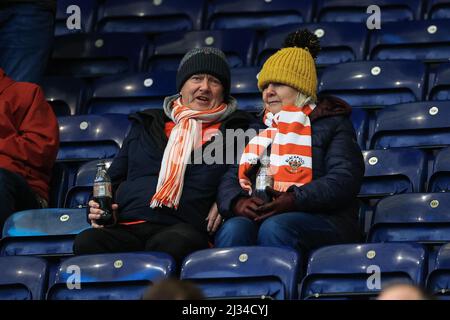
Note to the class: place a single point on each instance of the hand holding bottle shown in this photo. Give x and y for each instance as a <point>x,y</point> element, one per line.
<point>95,213</point>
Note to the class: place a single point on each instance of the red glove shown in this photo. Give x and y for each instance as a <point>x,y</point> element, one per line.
<point>246,207</point>
<point>282,202</point>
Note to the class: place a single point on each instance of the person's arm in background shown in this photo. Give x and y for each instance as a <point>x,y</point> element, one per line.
<point>35,140</point>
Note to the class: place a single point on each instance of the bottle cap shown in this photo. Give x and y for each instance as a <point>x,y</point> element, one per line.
<point>265,160</point>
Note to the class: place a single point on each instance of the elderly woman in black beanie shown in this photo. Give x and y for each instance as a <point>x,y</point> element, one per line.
<point>316,164</point>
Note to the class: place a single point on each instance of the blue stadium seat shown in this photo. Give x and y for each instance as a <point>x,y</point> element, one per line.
<point>374,83</point>
<point>439,180</point>
<point>78,195</point>
<point>340,42</point>
<point>421,124</point>
<point>22,278</point>
<point>352,11</point>
<point>393,171</point>
<point>114,276</point>
<point>131,93</point>
<point>389,172</point>
<point>244,87</point>
<point>438,281</point>
<point>438,9</point>
<point>94,55</point>
<point>65,94</point>
<point>427,41</point>
<point>237,273</point>
<point>440,88</point>
<point>169,48</point>
<point>256,14</point>
<point>360,121</point>
<point>345,271</point>
<point>43,232</point>
<point>88,137</point>
<point>415,217</point>
<point>58,185</point>
<point>146,16</point>
<point>88,12</point>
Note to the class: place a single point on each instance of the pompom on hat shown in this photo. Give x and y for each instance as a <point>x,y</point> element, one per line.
<point>294,64</point>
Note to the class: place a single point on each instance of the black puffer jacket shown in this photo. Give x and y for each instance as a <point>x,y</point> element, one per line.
<point>338,170</point>
<point>134,173</point>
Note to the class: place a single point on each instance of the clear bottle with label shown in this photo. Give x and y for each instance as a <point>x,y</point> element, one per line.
<point>264,178</point>
<point>103,195</point>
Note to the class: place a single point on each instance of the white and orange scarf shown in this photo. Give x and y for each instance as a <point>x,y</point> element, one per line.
<point>185,136</point>
<point>289,133</point>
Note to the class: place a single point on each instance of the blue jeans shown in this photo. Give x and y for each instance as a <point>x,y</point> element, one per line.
<point>297,230</point>
<point>15,195</point>
<point>26,38</point>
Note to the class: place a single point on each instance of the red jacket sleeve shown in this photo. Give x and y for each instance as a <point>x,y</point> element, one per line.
<point>30,135</point>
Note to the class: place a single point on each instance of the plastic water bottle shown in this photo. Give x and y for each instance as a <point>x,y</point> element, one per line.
<point>263,179</point>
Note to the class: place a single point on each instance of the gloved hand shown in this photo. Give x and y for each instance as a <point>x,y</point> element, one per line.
<point>246,207</point>
<point>282,202</point>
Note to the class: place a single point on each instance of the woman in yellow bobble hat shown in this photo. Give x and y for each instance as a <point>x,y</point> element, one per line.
<point>315,161</point>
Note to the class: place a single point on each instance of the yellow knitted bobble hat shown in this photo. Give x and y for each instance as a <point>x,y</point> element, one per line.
<point>294,64</point>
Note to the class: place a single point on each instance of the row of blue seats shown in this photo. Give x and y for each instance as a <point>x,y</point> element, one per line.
<point>368,84</point>
<point>412,217</point>
<point>170,15</point>
<point>333,272</point>
<point>96,54</point>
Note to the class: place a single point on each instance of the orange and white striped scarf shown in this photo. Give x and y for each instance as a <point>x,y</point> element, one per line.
<point>185,136</point>
<point>289,133</point>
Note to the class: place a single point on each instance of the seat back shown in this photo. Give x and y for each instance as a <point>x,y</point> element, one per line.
<point>228,273</point>
<point>44,232</point>
<point>374,83</point>
<point>438,281</point>
<point>255,14</point>
<point>393,171</point>
<point>95,54</point>
<point>440,88</point>
<point>339,42</point>
<point>87,137</point>
<point>145,16</point>
<point>23,278</point>
<point>439,180</point>
<point>169,48</point>
<point>66,95</point>
<point>360,121</point>
<point>421,124</point>
<point>244,87</point>
<point>348,271</point>
<point>352,11</point>
<point>414,217</point>
<point>131,93</point>
<point>113,276</point>
<point>413,40</point>
<point>438,9</point>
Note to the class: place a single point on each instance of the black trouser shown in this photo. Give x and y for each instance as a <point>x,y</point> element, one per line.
<point>178,240</point>
<point>15,195</point>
